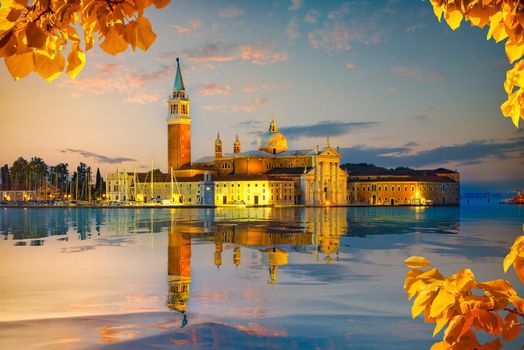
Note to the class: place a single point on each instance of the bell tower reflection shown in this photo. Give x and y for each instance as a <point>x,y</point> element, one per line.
<point>275,257</point>
<point>179,269</point>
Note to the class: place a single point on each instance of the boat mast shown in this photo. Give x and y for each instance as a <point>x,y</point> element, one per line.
<point>152,170</point>
<point>171,178</point>
<point>135,183</point>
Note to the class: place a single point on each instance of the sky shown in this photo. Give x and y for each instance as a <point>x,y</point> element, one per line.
<point>387,82</point>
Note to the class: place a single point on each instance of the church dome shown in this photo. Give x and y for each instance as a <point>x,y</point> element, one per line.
<point>273,141</point>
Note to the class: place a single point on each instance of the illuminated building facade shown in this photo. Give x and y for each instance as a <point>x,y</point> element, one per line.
<point>379,186</point>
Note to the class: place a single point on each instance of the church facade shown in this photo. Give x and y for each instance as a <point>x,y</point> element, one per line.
<point>271,175</point>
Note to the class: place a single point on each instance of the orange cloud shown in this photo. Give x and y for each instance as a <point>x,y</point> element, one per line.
<point>193,25</point>
<point>216,52</point>
<point>247,107</point>
<point>122,79</point>
<point>249,88</point>
<point>250,106</point>
<point>213,89</point>
<point>231,12</point>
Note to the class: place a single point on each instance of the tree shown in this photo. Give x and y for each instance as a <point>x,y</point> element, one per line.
<point>19,173</point>
<point>37,172</point>
<point>4,176</point>
<point>461,303</point>
<point>34,35</point>
<point>99,184</point>
<point>505,19</point>
<point>58,175</point>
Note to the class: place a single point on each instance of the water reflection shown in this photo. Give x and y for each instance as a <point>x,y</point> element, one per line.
<point>333,274</point>
<point>26,224</point>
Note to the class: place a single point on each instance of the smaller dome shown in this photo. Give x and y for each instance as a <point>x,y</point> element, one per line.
<point>272,141</point>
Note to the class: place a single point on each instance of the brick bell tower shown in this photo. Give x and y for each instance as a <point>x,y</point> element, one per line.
<point>178,125</point>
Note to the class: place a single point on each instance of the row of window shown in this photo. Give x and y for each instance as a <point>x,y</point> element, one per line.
<point>285,198</point>
<point>271,184</point>
<point>431,188</point>
<point>183,109</point>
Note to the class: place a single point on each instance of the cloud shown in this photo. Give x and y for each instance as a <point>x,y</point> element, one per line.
<point>144,97</point>
<point>218,52</point>
<point>343,28</point>
<point>251,87</point>
<point>413,28</point>
<point>311,16</point>
<point>250,106</point>
<point>213,108</point>
<point>324,128</point>
<point>247,107</point>
<point>128,81</point>
<point>193,25</point>
<point>293,29</point>
<point>231,12</point>
<point>472,152</point>
<point>295,5</point>
<point>350,66</point>
<point>213,89</point>
<point>338,36</point>
<point>391,90</point>
<point>420,118</point>
<point>416,73</point>
<point>250,124</point>
<point>99,157</point>
<point>331,38</point>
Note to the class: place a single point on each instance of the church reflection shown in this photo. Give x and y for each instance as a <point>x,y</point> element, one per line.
<point>309,231</point>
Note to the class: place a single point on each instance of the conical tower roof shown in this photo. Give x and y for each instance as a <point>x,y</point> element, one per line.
<point>179,82</point>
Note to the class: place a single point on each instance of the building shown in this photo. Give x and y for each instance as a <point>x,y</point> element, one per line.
<point>370,185</point>
<point>271,175</point>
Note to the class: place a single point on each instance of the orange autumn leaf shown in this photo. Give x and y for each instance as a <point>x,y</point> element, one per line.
<point>442,302</point>
<point>49,67</point>
<point>416,262</point>
<point>35,36</point>
<point>461,306</point>
<point>113,43</point>
<point>518,302</point>
<point>54,26</point>
<point>518,265</point>
<point>21,65</point>
<point>75,61</point>
<point>512,327</point>
<point>505,20</point>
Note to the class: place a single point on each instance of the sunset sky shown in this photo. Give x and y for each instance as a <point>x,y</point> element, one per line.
<point>388,83</point>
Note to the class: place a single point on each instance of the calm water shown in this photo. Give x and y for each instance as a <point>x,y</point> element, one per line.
<point>233,278</point>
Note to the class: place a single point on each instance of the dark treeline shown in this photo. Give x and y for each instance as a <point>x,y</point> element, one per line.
<point>31,175</point>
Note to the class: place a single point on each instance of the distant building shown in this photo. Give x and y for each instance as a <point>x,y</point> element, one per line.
<point>370,185</point>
